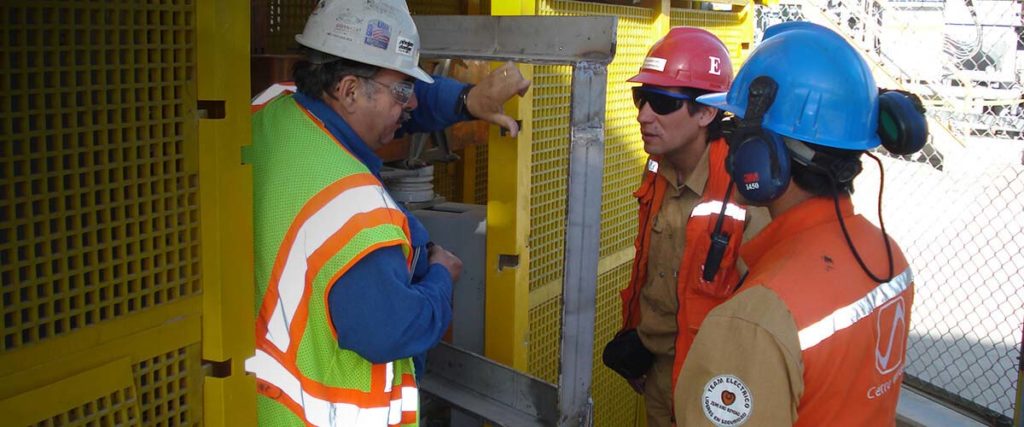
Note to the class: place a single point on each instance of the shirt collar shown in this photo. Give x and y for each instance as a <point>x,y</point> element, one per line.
<point>341,131</point>
<point>806,215</point>
<point>697,179</point>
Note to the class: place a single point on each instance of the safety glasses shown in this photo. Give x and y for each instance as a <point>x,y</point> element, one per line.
<point>662,101</point>
<point>401,90</point>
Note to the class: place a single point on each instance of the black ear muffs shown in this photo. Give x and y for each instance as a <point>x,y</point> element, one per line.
<point>758,160</point>
<point>902,126</point>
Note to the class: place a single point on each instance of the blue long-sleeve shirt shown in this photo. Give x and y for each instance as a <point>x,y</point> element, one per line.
<point>380,310</point>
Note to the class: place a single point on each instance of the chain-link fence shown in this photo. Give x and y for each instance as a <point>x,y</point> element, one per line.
<point>957,208</point>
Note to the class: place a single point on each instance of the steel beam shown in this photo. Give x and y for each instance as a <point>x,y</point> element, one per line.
<point>495,392</point>
<point>523,39</point>
<point>582,240</point>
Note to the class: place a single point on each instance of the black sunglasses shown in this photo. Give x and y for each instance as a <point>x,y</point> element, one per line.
<point>662,101</point>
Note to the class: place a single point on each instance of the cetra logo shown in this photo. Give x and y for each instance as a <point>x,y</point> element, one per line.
<point>751,177</point>
<point>891,334</point>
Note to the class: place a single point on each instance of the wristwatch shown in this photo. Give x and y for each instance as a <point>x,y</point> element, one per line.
<point>460,103</point>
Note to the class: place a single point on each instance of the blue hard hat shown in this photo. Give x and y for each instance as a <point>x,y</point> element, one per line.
<point>826,93</point>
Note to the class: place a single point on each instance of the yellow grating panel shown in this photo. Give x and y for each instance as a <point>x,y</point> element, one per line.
<point>98,194</point>
<point>170,388</point>
<point>445,181</point>
<point>480,176</point>
<point>115,409</point>
<point>545,322</point>
<point>736,29</point>
<point>285,19</point>
<point>615,403</point>
<point>624,157</point>
<point>549,168</point>
<point>623,149</point>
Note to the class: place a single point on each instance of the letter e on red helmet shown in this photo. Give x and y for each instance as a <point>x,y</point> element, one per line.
<point>687,57</point>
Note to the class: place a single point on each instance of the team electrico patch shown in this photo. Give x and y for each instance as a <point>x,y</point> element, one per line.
<point>727,401</point>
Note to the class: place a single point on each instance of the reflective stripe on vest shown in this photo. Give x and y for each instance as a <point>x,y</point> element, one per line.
<point>313,232</point>
<point>270,93</point>
<point>715,206</point>
<point>845,317</point>
<point>321,412</point>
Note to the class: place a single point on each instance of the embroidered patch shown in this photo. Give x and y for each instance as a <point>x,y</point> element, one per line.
<point>378,34</point>
<point>405,46</point>
<point>727,401</point>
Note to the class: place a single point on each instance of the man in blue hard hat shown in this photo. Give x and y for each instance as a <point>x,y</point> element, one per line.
<point>817,333</point>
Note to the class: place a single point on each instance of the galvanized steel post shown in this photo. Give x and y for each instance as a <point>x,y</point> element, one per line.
<point>582,238</point>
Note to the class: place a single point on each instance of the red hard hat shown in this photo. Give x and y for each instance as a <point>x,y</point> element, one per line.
<point>687,57</point>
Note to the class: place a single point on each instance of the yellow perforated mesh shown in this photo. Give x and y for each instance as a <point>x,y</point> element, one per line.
<point>548,172</point>
<point>115,409</point>
<point>170,388</point>
<point>167,392</point>
<point>736,29</point>
<point>480,176</point>
<point>543,337</point>
<point>98,196</point>
<point>623,149</point>
<point>615,403</point>
<point>445,180</point>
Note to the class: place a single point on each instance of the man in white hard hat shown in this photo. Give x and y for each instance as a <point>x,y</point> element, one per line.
<point>348,287</point>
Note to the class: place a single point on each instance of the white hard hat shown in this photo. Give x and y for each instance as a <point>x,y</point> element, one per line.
<point>374,32</point>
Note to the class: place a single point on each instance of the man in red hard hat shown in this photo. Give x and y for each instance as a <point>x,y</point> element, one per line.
<point>689,232</point>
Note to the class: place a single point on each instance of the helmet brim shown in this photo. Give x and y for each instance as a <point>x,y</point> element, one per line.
<point>719,101</point>
<point>655,79</point>
<point>418,74</point>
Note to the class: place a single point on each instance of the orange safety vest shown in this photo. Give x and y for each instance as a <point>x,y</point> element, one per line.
<point>852,333</point>
<point>696,297</point>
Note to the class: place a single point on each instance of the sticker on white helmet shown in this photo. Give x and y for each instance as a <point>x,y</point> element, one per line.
<point>654,63</point>
<point>405,46</point>
<point>727,401</point>
<point>378,34</point>
<point>347,28</point>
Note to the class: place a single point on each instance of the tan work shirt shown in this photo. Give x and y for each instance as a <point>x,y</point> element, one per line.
<point>658,298</point>
<point>755,321</point>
